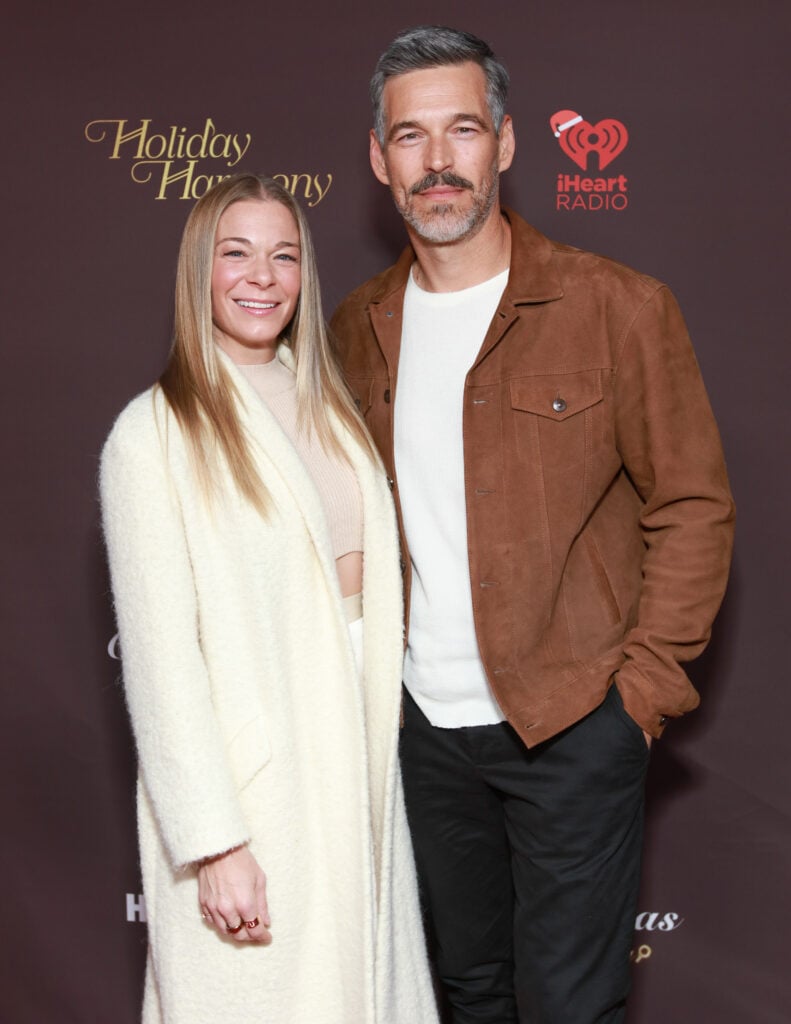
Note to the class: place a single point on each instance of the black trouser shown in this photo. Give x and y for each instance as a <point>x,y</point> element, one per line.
<point>529,862</point>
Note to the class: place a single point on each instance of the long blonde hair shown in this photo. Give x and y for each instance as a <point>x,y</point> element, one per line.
<point>198,387</point>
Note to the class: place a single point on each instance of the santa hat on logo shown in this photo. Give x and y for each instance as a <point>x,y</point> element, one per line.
<point>563,120</point>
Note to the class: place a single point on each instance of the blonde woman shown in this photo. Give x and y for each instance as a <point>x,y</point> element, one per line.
<point>249,525</point>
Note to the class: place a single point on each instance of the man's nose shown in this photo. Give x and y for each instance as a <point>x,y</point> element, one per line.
<point>438,154</point>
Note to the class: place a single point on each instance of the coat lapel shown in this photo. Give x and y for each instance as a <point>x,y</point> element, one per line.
<point>269,437</point>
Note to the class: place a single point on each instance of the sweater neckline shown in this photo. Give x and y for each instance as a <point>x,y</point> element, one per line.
<point>270,378</point>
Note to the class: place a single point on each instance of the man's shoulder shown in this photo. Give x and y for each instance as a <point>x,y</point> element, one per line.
<point>391,281</point>
<point>539,262</point>
<point>363,294</point>
<point>593,264</point>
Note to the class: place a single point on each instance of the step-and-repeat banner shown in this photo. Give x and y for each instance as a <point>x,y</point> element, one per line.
<point>115,119</point>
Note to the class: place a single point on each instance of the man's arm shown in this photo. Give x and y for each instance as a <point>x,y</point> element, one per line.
<point>670,446</point>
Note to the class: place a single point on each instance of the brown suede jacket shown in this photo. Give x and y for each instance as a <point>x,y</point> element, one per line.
<point>599,517</point>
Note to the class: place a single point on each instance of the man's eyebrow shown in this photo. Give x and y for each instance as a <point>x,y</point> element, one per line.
<point>475,120</point>
<point>401,126</point>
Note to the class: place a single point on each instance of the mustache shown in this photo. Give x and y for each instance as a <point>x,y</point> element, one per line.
<point>431,180</point>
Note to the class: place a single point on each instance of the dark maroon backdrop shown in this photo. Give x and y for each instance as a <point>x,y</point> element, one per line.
<point>88,258</point>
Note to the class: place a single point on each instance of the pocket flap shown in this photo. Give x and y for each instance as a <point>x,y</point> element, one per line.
<point>558,395</point>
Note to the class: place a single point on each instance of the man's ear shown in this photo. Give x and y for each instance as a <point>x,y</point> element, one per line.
<point>507,144</point>
<point>377,159</point>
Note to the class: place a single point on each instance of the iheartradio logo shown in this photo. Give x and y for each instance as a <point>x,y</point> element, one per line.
<point>579,138</point>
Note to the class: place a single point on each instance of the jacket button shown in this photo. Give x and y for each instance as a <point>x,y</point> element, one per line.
<point>662,719</point>
<point>402,563</point>
<point>390,483</point>
<point>389,313</point>
<point>387,394</point>
<point>559,405</point>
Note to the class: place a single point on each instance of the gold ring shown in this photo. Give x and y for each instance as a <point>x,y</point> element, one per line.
<point>233,931</point>
<point>252,924</point>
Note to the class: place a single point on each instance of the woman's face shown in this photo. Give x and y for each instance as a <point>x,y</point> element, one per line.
<point>255,280</point>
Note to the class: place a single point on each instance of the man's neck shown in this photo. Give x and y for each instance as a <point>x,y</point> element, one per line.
<point>453,266</point>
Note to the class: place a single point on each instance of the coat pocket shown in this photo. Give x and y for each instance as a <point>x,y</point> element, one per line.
<point>248,751</point>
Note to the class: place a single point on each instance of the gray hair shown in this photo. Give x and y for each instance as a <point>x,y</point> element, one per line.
<point>434,46</point>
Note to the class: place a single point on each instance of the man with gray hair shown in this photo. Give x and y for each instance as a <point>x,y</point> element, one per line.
<point>566,526</point>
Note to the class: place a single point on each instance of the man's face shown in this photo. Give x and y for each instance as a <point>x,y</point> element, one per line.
<point>441,157</point>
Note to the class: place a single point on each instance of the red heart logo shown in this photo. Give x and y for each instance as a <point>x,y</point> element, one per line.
<point>608,138</point>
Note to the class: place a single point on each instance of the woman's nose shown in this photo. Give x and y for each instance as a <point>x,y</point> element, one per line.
<point>261,272</point>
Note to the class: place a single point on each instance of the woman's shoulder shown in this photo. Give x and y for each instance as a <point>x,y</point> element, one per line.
<point>141,427</point>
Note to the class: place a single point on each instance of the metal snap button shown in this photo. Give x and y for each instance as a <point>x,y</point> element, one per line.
<point>559,405</point>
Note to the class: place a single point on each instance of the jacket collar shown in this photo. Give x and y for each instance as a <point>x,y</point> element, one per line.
<point>533,276</point>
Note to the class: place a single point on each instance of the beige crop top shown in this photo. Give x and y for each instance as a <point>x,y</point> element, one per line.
<point>335,480</point>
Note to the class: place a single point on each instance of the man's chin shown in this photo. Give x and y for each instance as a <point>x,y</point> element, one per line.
<point>441,224</point>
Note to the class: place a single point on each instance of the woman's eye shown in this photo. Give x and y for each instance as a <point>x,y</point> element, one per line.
<point>286,257</point>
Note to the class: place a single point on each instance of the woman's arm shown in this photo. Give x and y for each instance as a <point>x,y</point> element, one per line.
<point>182,757</point>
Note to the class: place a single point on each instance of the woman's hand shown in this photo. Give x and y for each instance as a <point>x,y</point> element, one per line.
<point>232,895</point>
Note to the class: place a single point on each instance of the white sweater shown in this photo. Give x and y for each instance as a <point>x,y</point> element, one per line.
<point>441,335</point>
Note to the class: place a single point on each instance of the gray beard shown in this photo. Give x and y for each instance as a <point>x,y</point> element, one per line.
<point>444,223</point>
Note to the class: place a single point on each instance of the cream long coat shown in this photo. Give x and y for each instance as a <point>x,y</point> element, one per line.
<point>252,725</point>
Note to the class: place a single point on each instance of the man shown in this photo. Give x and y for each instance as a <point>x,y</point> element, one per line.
<point>566,527</point>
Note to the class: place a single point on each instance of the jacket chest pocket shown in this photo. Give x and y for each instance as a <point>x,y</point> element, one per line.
<point>559,421</point>
<point>558,396</point>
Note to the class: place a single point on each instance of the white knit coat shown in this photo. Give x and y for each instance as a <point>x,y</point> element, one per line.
<point>252,726</point>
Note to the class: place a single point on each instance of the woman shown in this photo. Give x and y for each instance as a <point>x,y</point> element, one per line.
<point>239,495</point>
